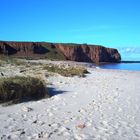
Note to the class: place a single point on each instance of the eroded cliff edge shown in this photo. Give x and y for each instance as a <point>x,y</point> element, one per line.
<point>74,52</point>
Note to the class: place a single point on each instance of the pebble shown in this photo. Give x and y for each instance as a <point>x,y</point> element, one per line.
<point>66,121</point>
<point>81,110</point>
<point>27,109</point>
<point>55,125</point>
<point>81,126</point>
<point>45,135</point>
<point>88,124</point>
<point>40,135</point>
<point>35,121</point>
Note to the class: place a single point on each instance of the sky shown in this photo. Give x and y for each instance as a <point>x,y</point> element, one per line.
<point>111,23</point>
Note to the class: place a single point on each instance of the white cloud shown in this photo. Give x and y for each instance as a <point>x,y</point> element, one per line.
<point>130,53</point>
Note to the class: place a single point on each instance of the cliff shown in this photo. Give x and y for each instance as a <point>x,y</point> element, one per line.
<point>74,52</point>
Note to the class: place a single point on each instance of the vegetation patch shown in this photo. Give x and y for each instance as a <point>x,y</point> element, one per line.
<point>67,71</point>
<point>53,53</point>
<point>11,60</point>
<point>18,89</point>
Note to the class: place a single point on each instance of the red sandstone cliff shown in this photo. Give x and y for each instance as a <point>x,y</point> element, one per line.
<point>74,52</point>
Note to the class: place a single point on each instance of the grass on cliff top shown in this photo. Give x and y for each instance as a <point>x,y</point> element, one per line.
<point>66,71</point>
<point>18,89</point>
<point>53,53</point>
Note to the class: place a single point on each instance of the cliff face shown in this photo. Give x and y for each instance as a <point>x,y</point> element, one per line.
<point>89,53</point>
<point>74,52</point>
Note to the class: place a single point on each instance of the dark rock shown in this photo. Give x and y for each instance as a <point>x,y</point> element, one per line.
<point>2,74</point>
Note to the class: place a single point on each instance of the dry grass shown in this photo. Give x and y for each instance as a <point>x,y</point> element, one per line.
<point>66,71</point>
<point>17,89</point>
<point>11,60</point>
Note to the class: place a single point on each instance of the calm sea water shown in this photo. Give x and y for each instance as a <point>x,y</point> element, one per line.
<point>122,66</point>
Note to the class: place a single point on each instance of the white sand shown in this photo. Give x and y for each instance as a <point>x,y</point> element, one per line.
<point>105,105</point>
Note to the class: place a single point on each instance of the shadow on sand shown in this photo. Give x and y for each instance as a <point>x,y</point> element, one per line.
<point>52,91</point>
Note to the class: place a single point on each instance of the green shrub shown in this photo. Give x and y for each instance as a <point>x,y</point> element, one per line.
<point>18,88</point>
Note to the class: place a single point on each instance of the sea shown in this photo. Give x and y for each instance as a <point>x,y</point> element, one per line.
<point>121,66</point>
<point>127,54</point>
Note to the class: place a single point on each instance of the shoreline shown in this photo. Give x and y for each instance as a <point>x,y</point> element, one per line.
<point>130,61</point>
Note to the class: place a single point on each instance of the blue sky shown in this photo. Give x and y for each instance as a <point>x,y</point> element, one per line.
<point>112,23</point>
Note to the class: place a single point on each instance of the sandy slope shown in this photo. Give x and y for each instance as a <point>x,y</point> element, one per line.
<point>103,105</point>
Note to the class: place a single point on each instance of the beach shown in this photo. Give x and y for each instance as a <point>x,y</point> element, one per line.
<point>103,105</point>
